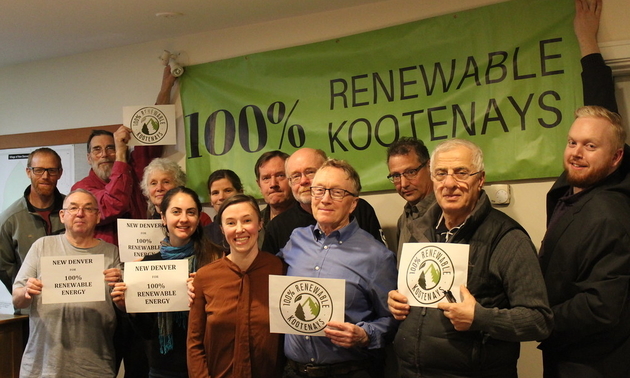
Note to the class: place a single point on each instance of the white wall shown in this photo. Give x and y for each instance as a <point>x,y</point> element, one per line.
<point>91,89</point>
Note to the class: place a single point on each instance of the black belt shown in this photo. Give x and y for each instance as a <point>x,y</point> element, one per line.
<point>312,370</point>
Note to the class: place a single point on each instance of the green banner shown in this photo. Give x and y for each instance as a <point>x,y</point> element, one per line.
<point>505,76</point>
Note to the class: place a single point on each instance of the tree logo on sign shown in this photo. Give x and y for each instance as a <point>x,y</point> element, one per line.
<point>149,125</point>
<point>430,274</point>
<point>306,306</point>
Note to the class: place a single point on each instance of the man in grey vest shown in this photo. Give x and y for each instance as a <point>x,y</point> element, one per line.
<point>504,301</point>
<point>33,215</point>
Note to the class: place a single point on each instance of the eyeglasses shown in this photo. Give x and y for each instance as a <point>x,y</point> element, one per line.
<point>458,176</point>
<point>38,171</point>
<point>335,193</point>
<point>98,150</point>
<point>74,210</point>
<point>409,173</point>
<point>308,173</point>
<point>267,178</point>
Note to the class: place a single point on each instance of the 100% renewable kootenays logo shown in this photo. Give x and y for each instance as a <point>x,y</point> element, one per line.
<point>149,125</point>
<point>306,306</point>
<point>430,275</point>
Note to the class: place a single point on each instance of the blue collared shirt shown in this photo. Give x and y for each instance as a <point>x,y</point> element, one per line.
<point>369,269</point>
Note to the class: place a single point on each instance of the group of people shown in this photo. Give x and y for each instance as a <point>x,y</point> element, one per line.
<point>572,295</point>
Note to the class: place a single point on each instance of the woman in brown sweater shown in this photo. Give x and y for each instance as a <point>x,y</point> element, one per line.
<point>228,329</point>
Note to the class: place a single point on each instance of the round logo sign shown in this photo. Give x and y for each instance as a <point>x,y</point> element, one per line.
<point>149,125</point>
<point>430,275</point>
<point>306,306</point>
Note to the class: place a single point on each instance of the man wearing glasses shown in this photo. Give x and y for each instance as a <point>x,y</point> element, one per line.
<point>336,247</point>
<point>114,178</point>
<point>504,301</point>
<point>300,168</point>
<point>408,163</point>
<point>69,339</point>
<point>115,175</point>
<point>34,215</point>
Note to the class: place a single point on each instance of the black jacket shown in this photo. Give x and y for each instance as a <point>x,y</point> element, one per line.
<point>511,304</point>
<point>585,259</point>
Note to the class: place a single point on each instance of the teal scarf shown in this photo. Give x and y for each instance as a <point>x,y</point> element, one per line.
<point>166,320</point>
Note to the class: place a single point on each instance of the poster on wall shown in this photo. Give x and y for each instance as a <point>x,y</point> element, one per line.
<point>13,178</point>
<point>505,76</point>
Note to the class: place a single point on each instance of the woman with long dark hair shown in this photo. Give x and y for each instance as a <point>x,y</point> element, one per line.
<point>166,331</point>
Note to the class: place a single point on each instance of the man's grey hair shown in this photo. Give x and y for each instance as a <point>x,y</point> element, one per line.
<point>79,190</point>
<point>477,154</point>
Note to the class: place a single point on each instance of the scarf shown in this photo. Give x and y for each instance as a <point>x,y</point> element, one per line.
<point>165,320</point>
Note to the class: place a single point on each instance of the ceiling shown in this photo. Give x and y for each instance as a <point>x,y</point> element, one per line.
<point>32,30</point>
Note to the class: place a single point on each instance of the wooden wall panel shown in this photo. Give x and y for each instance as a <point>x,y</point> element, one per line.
<point>51,138</point>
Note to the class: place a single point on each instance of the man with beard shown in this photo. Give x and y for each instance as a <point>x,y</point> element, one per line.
<point>114,178</point>
<point>274,186</point>
<point>34,215</point>
<point>115,182</point>
<point>585,254</point>
<point>115,175</point>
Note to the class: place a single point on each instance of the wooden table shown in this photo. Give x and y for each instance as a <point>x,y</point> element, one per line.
<point>13,334</point>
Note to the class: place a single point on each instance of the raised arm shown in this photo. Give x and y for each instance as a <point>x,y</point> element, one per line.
<point>586,25</point>
<point>597,80</point>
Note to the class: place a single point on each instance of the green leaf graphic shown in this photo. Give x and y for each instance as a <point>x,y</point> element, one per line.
<point>435,274</point>
<point>313,306</point>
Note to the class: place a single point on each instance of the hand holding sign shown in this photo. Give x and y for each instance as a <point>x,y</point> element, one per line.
<point>397,304</point>
<point>112,275</point>
<point>33,287</point>
<point>346,335</point>
<point>118,295</point>
<point>461,314</point>
<point>191,288</point>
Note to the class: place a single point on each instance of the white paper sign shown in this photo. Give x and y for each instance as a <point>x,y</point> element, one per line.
<point>71,279</point>
<point>138,238</point>
<point>429,272</point>
<point>6,301</point>
<point>304,305</point>
<point>156,286</point>
<point>150,125</point>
